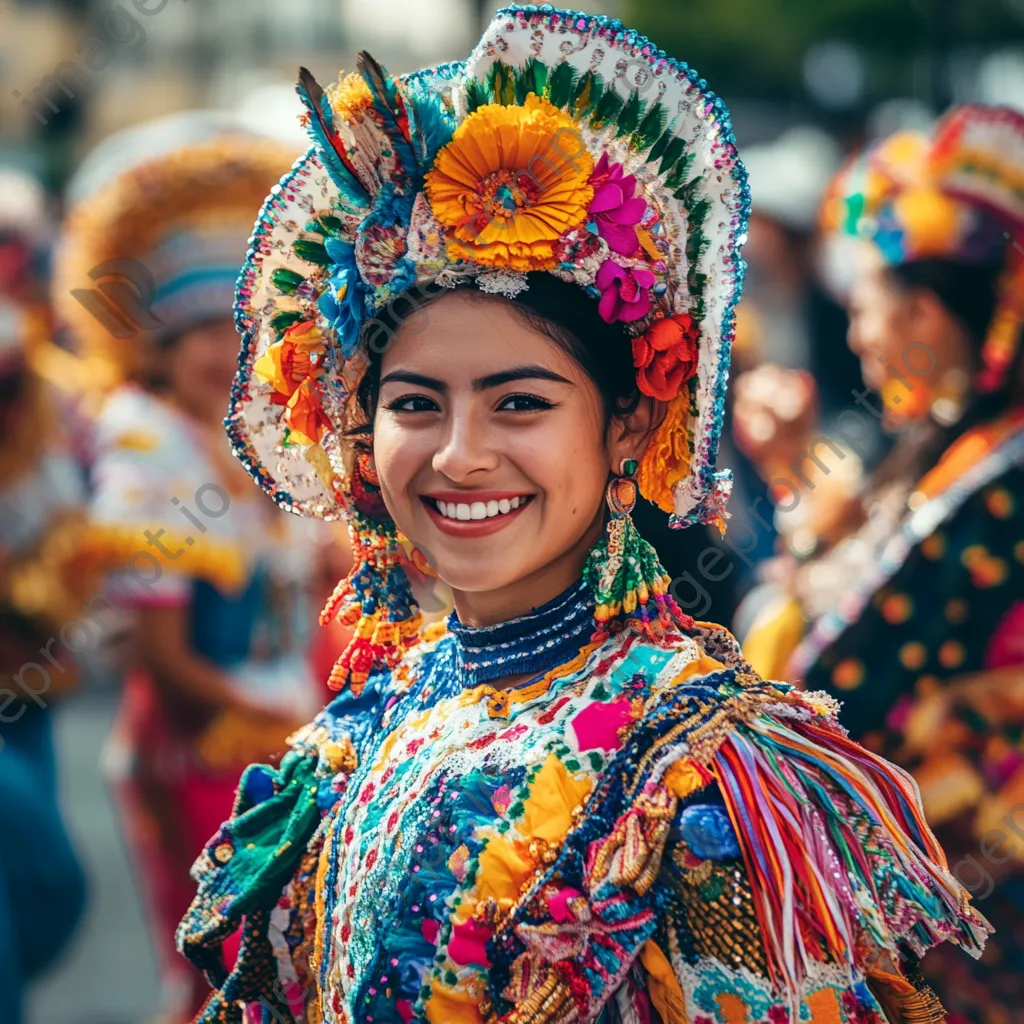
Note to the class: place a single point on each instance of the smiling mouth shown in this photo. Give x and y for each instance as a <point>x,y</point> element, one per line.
<point>477,510</point>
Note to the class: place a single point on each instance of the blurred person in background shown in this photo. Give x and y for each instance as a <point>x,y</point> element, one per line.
<point>786,319</point>
<point>216,578</point>
<point>42,887</point>
<point>902,594</point>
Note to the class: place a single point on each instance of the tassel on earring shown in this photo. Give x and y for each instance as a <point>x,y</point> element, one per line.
<point>626,577</point>
<point>376,596</point>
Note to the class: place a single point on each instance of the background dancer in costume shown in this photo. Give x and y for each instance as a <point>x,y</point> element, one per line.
<point>571,803</point>
<point>216,577</point>
<point>909,607</point>
<point>42,888</point>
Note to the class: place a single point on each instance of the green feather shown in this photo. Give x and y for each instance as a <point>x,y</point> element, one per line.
<point>280,322</point>
<point>586,95</point>
<point>629,119</point>
<point>652,125</point>
<point>560,85</point>
<point>310,251</point>
<point>607,108</point>
<point>532,77</point>
<point>287,281</point>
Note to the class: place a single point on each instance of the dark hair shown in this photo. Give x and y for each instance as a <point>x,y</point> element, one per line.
<point>969,291</point>
<point>560,310</point>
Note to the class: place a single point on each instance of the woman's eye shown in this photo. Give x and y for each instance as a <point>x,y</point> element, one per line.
<point>523,403</point>
<point>412,403</point>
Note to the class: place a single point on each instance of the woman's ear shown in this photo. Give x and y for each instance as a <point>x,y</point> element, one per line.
<point>628,435</point>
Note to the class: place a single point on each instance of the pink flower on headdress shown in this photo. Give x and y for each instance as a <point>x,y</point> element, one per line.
<point>625,293</point>
<point>613,207</point>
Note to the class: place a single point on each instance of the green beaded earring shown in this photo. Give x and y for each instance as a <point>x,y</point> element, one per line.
<point>626,577</point>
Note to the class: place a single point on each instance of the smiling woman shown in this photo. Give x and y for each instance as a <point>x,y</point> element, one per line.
<point>569,802</point>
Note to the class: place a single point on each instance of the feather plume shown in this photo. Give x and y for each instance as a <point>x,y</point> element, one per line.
<point>390,103</point>
<point>329,145</point>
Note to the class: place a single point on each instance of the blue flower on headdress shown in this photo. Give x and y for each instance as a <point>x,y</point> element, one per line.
<point>343,302</point>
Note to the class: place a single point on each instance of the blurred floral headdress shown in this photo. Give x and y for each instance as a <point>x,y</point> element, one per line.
<point>565,144</point>
<point>955,194</point>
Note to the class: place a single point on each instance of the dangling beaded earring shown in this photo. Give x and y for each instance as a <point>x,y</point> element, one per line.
<point>376,595</point>
<point>626,577</point>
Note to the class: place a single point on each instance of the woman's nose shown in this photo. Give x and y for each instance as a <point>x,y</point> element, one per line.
<point>467,448</point>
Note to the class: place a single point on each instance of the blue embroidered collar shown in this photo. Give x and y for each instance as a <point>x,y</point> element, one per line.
<point>537,642</point>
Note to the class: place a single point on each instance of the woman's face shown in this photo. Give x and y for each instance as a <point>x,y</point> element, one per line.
<point>200,367</point>
<point>912,350</point>
<point>490,446</point>
<point>881,323</point>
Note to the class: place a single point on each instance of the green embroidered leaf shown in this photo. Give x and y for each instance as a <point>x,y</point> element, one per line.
<point>503,83</point>
<point>673,152</point>
<point>698,212</point>
<point>573,765</point>
<point>286,281</point>
<point>311,251</point>
<point>561,84</point>
<point>632,111</point>
<point>532,77</point>
<point>677,176</point>
<point>687,194</point>
<point>332,225</point>
<point>660,146</point>
<point>596,761</point>
<point>478,94</point>
<point>607,108</point>
<point>586,95</point>
<point>280,322</point>
<point>652,125</point>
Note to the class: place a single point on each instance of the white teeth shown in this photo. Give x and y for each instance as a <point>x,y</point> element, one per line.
<point>478,509</point>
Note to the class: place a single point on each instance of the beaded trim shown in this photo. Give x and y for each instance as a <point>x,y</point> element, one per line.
<point>538,641</point>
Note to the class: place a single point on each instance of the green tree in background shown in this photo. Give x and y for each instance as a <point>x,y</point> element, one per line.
<point>756,47</point>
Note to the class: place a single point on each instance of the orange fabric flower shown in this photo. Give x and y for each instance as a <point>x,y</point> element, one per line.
<point>306,418</point>
<point>286,364</point>
<point>665,356</point>
<point>511,181</point>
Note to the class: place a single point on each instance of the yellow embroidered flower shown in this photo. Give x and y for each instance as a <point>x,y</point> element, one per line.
<point>510,182</point>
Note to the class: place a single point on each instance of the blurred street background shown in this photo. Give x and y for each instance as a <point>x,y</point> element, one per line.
<point>806,81</point>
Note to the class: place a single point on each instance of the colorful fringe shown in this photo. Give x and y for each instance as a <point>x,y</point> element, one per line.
<point>630,585</point>
<point>778,782</point>
<point>377,598</point>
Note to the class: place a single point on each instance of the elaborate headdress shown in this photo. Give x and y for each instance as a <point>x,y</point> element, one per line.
<point>955,194</point>
<point>157,233</point>
<point>565,143</point>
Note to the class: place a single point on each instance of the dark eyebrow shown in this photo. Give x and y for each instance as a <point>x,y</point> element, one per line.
<point>408,377</point>
<point>492,380</point>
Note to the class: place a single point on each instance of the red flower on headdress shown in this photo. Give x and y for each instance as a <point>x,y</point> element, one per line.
<point>613,208</point>
<point>665,356</point>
